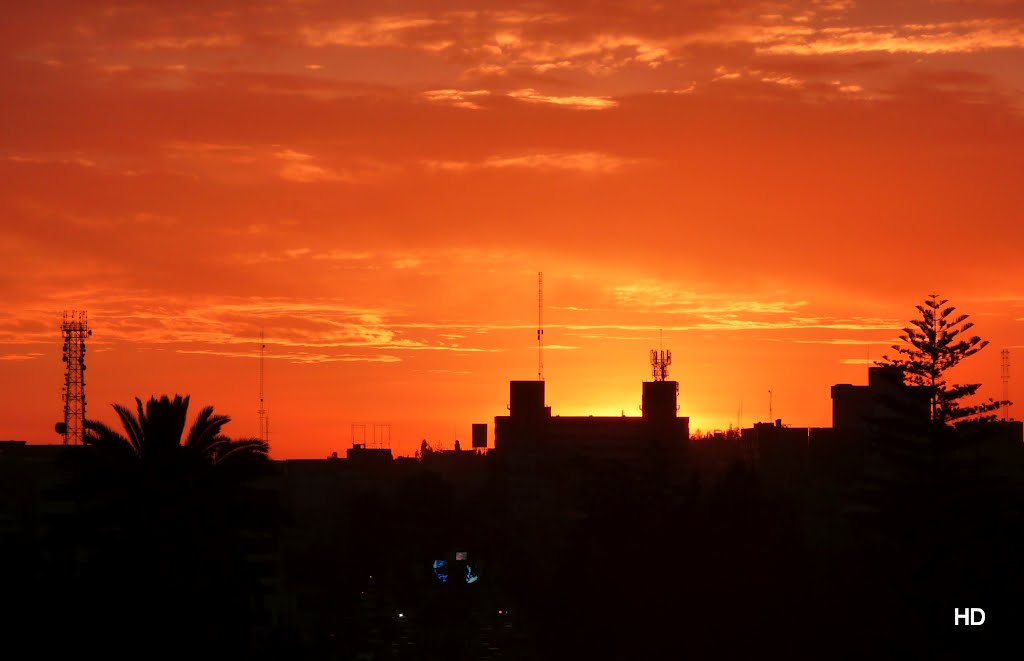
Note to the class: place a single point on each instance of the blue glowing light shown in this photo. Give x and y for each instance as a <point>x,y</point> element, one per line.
<point>441,570</point>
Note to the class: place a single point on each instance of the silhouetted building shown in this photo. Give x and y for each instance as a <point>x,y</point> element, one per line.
<point>775,441</point>
<point>886,400</point>
<point>34,495</point>
<point>463,469</point>
<point>781,453</point>
<point>479,435</point>
<point>360,455</point>
<point>1000,443</point>
<point>715,452</point>
<point>530,429</point>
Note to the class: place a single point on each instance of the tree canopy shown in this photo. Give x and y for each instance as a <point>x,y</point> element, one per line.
<point>153,433</point>
<point>935,343</point>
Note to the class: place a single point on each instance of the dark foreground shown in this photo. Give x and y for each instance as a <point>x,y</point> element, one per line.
<point>867,550</point>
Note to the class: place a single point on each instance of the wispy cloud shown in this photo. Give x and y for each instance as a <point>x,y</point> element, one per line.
<point>471,99</point>
<point>842,341</point>
<point>458,98</point>
<point>20,356</point>
<point>495,41</point>
<point>923,38</point>
<point>297,357</point>
<point>78,159</point>
<point>296,330</point>
<point>183,42</point>
<point>577,102</point>
<point>302,168</point>
<point>658,296</point>
<point>253,163</point>
<point>590,162</point>
<point>373,32</point>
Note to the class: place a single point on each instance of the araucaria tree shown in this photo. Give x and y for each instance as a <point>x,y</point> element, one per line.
<point>936,342</point>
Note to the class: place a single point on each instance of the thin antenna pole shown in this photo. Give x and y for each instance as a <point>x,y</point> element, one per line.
<point>264,426</point>
<point>771,414</point>
<point>540,326</point>
<point>1005,374</point>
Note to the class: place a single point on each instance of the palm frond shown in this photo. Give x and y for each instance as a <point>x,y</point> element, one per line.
<point>205,430</point>
<point>106,440</point>
<point>132,426</point>
<point>154,435</point>
<point>165,423</point>
<point>235,450</point>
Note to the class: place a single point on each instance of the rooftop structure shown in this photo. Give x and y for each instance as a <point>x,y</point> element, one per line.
<point>531,429</point>
<point>885,400</point>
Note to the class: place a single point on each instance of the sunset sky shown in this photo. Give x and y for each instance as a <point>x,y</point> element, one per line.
<point>774,185</point>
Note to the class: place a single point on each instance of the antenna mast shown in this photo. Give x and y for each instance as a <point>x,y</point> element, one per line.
<point>771,414</point>
<point>540,326</point>
<point>262,412</point>
<point>74,328</point>
<point>1005,373</point>
<point>660,360</point>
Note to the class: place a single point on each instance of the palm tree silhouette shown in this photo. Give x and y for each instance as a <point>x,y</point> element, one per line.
<point>166,517</point>
<point>153,434</point>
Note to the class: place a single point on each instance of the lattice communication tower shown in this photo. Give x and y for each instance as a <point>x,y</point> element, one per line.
<point>75,330</point>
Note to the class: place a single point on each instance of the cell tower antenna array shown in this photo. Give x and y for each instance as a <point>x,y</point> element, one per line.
<point>264,432</point>
<point>1005,374</point>
<point>75,329</point>
<point>660,360</point>
<point>540,326</point>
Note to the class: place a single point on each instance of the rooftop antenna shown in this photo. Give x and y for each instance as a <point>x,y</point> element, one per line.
<point>1005,373</point>
<point>771,415</point>
<point>382,434</point>
<point>660,360</point>
<point>540,326</point>
<point>371,435</point>
<point>264,432</point>
<point>75,329</point>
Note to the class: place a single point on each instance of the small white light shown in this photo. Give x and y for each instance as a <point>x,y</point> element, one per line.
<point>401,615</point>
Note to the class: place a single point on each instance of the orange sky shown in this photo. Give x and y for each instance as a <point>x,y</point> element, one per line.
<point>774,184</point>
